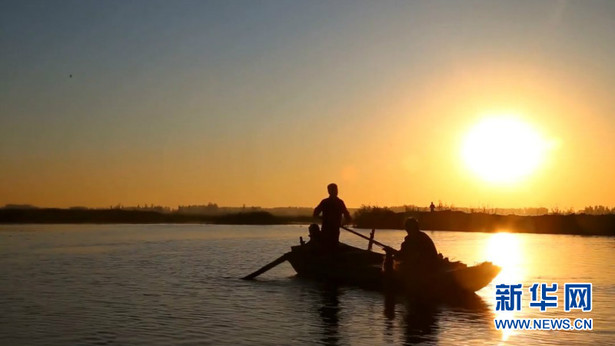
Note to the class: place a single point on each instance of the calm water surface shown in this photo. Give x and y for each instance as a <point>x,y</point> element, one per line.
<point>179,284</point>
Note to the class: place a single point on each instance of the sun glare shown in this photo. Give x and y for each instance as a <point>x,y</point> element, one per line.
<point>503,149</point>
<point>505,250</point>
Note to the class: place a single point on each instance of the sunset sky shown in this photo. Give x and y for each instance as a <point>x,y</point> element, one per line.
<point>266,102</point>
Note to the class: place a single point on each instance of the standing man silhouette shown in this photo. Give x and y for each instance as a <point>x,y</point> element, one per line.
<point>332,209</point>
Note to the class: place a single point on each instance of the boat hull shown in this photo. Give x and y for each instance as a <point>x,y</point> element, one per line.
<point>347,265</point>
<point>354,266</point>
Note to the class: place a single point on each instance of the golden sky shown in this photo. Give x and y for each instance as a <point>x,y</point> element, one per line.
<point>265,104</point>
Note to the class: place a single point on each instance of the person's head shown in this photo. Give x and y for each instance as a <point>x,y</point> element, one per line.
<point>314,230</point>
<point>411,225</point>
<point>332,188</point>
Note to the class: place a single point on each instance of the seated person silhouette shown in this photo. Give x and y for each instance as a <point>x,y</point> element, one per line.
<point>315,234</point>
<point>418,252</point>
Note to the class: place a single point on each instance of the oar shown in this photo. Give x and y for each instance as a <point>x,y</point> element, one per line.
<point>385,247</point>
<point>267,267</point>
<point>388,258</point>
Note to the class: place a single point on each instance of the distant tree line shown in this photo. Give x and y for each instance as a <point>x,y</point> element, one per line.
<point>115,215</point>
<point>598,210</point>
<point>592,221</point>
<point>582,224</point>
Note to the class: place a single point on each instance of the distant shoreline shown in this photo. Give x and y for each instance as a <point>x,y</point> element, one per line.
<point>575,224</point>
<point>367,218</point>
<point>109,216</point>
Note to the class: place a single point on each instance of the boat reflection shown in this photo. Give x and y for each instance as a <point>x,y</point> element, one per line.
<point>405,321</point>
<point>420,320</point>
<point>329,313</point>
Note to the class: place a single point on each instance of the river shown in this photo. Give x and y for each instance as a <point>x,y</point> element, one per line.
<point>179,284</point>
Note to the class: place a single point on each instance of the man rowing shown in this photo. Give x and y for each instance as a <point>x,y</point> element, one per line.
<point>332,210</point>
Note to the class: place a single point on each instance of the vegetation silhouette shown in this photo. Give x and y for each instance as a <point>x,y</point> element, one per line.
<point>449,220</point>
<point>57,216</point>
<point>592,221</point>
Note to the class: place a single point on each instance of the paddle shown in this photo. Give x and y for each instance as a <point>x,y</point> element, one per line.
<point>385,247</point>
<point>267,267</point>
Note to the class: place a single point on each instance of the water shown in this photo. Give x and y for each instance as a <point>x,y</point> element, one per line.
<point>178,284</point>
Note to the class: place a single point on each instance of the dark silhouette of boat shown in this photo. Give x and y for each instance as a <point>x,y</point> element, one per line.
<point>346,265</point>
<point>350,265</point>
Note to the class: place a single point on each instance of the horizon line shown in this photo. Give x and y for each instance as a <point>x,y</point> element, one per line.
<point>439,207</point>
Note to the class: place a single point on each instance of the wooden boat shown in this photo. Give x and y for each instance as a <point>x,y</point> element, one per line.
<point>354,266</point>
<point>347,265</point>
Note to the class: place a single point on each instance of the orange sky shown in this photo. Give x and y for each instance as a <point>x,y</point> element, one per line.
<point>192,103</point>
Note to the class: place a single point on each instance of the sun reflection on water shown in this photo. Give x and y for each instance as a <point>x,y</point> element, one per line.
<point>506,250</point>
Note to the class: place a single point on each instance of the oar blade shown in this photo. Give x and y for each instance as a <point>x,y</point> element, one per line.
<point>266,267</point>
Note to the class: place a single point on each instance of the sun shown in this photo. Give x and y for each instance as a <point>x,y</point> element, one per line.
<point>503,149</point>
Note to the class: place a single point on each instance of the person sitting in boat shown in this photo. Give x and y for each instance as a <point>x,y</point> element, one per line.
<point>332,210</point>
<point>315,233</point>
<point>418,252</point>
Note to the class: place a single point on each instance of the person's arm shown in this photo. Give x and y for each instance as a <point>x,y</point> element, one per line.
<point>347,217</point>
<point>317,211</point>
<point>427,245</point>
<point>403,250</point>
